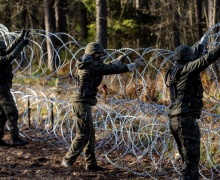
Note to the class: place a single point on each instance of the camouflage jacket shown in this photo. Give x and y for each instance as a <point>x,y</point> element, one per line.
<point>6,74</point>
<point>89,76</point>
<point>189,87</point>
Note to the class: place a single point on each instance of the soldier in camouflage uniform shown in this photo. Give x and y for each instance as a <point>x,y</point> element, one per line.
<point>186,93</point>
<point>90,73</point>
<point>8,109</point>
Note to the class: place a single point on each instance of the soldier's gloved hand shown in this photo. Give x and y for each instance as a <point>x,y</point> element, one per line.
<point>24,33</point>
<point>131,66</point>
<point>204,40</point>
<point>139,62</point>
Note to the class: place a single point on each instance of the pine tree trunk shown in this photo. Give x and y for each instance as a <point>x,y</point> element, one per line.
<point>101,22</point>
<point>49,27</point>
<point>198,16</point>
<point>175,27</point>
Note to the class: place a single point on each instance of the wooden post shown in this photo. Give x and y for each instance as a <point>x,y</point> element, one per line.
<point>51,113</point>
<point>29,113</point>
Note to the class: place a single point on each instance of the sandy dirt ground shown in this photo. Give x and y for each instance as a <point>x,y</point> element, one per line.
<point>40,160</point>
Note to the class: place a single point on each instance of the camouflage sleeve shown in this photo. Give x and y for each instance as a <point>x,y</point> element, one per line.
<point>202,63</point>
<point>13,45</point>
<point>106,69</point>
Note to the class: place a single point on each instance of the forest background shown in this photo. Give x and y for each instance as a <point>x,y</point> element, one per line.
<point>116,23</point>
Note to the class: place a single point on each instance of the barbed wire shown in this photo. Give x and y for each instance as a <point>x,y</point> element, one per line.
<point>131,122</point>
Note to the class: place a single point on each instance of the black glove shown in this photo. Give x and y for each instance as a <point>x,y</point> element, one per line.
<point>24,33</point>
<point>26,42</point>
<point>27,33</point>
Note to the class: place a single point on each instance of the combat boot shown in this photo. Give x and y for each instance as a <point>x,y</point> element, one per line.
<point>3,143</point>
<point>18,142</point>
<point>94,167</point>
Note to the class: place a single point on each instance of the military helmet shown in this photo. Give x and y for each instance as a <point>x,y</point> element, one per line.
<point>93,47</point>
<point>2,45</point>
<point>183,53</point>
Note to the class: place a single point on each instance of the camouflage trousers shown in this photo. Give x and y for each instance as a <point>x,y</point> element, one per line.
<point>85,135</point>
<point>186,133</point>
<point>8,111</point>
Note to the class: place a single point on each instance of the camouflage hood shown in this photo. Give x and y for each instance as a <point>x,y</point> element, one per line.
<point>94,47</point>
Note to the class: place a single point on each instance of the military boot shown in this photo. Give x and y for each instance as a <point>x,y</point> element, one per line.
<point>18,142</point>
<point>94,167</point>
<point>3,143</point>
